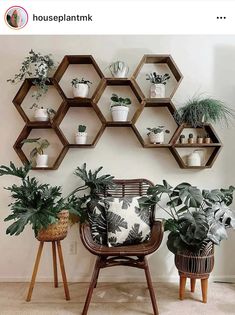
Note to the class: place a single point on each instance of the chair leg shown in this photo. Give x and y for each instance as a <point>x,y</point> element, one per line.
<point>192,284</point>
<point>204,286</point>
<point>54,264</point>
<point>97,278</point>
<point>150,287</point>
<point>92,285</point>
<point>66,289</point>
<point>35,270</point>
<point>182,287</point>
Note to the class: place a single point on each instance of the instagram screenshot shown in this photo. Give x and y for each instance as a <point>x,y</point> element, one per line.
<point>117,124</point>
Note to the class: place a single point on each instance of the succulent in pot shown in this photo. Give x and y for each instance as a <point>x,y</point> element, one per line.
<point>80,87</point>
<point>156,134</point>
<point>119,69</point>
<point>207,139</point>
<point>182,139</point>
<point>200,139</point>
<point>190,138</point>
<point>157,89</point>
<point>81,135</point>
<point>38,67</point>
<point>37,156</point>
<point>119,107</point>
<point>43,114</point>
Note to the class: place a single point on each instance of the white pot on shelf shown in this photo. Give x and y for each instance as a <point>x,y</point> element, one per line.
<point>81,90</point>
<point>119,113</point>
<point>194,159</point>
<point>41,114</point>
<point>157,91</point>
<point>156,137</point>
<point>42,160</point>
<point>80,137</point>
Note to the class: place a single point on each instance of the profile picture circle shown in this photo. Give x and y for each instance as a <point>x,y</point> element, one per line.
<point>16,17</point>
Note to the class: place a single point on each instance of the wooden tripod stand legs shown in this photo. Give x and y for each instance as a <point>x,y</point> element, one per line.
<point>35,269</point>
<point>204,287</point>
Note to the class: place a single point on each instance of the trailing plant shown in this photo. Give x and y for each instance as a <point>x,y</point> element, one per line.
<point>39,149</point>
<point>44,65</point>
<point>77,81</point>
<point>119,101</point>
<point>195,215</point>
<point>34,203</point>
<point>199,110</point>
<point>158,129</point>
<point>157,78</point>
<point>81,128</point>
<point>116,66</point>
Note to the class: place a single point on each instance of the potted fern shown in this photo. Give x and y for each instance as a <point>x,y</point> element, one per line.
<point>156,134</point>
<point>157,88</point>
<point>119,69</point>
<point>80,87</point>
<point>81,135</point>
<point>37,156</point>
<point>119,107</point>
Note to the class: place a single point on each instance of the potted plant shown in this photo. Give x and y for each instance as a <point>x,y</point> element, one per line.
<point>39,205</point>
<point>199,110</point>
<point>182,139</point>
<point>80,87</point>
<point>119,69</point>
<point>190,138</point>
<point>81,135</point>
<point>36,66</point>
<point>157,89</point>
<point>42,114</point>
<point>198,219</point>
<point>37,156</point>
<point>119,107</point>
<point>156,134</point>
<point>207,139</point>
<point>200,139</point>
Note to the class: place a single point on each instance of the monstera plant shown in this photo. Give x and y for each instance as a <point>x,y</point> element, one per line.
<point>195,216</point>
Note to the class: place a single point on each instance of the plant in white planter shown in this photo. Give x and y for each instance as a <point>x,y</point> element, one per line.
<point>157,89</point>
<point>80,87</point>
<point>43,114</point>
<point>119,69</point>
<point>81,135</point>
<point>38,67</point>
<point>156,134</point>
<point>37,156</point>
<point>119,107</point>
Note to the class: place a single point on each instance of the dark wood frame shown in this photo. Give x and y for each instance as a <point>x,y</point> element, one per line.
<point>133,255</point>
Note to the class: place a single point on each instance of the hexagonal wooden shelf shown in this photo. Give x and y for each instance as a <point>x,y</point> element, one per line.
<point>216,145</point>
<point>158,59</point>
<point>75,59</point>
<point>24,135</point>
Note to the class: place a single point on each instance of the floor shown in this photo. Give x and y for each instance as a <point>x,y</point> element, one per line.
<point>115,299</point>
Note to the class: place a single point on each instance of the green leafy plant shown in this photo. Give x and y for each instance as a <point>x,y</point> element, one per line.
<point>77,81</point>
<point>195,216</point>
<point>81,128</point>
<point>34,203</point>
<point>119,101</point>
<point>199,110</point>
<point>43,64</point>
<point>39,149</point>
<point>158,129</point>
<point>157,78</point>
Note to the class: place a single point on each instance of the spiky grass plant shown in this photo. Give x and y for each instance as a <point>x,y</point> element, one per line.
<point>199,110</point>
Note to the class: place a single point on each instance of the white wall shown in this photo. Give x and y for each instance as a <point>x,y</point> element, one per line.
<point>208,65</point>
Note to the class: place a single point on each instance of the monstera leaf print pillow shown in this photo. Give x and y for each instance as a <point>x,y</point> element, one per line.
<point>127,224</point>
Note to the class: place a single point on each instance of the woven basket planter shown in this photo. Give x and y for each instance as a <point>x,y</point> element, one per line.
<point>196,265</point>
<point>57,231</point>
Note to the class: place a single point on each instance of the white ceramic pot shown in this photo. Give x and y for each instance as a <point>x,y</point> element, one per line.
<point>81,137</point>
<point>157,91</point>
<point>81,90</point>
<point>119,113</point>
<point>194,159</point>
<point>41,114</point>
<point>156,137</point>
<point>42,160</point>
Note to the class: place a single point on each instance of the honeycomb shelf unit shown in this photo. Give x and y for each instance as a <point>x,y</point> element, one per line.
<point>92,104</point>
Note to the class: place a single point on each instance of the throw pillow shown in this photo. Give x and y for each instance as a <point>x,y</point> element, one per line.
<point>127,224</point>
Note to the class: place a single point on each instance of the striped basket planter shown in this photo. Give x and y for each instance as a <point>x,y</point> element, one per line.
<point>196,265</point>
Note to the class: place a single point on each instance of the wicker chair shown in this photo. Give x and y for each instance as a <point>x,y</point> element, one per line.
<point>132,256</point>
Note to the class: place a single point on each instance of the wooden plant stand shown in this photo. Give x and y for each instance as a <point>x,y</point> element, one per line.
<point>63,273</point>
<point>204,286</point>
